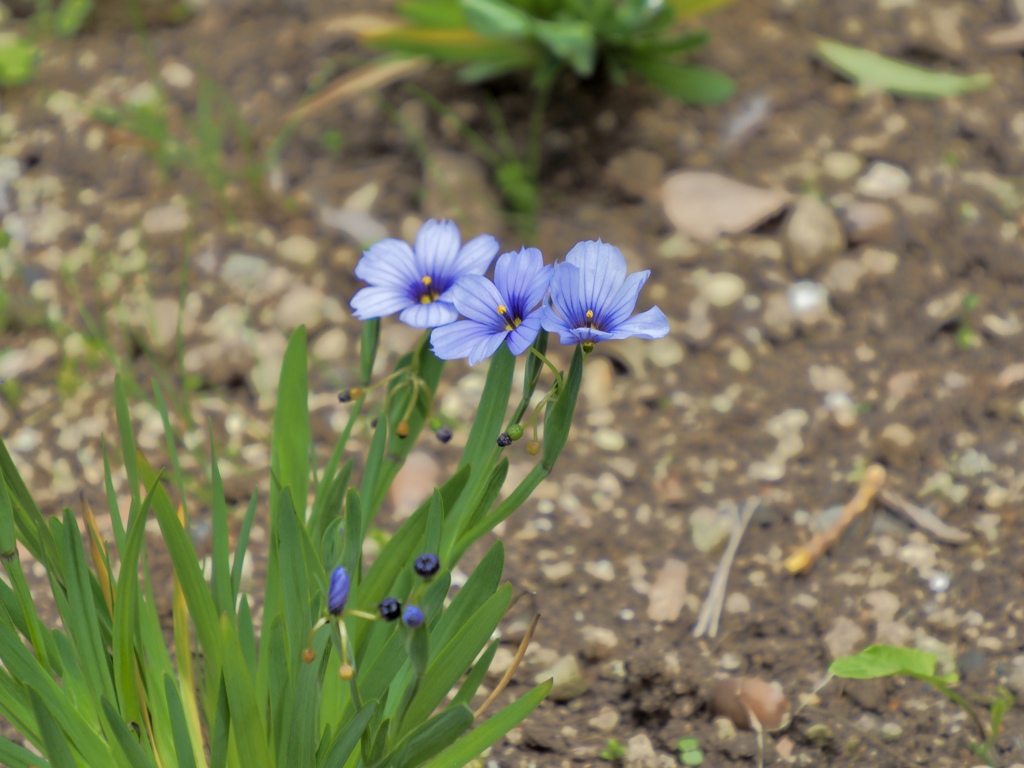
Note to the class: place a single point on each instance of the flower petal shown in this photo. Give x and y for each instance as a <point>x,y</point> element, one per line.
<point>565,295</point>
<point>456,340</point>
<point>487,347</point>
<point>552,322</point>
<point>602,270</point>
<point>476,298</point>
<point>622,306</point>
<point>429,315</point>
<point>378,301</point>
<point>475,257</point>
<point>437,245</point>
<point>517,276</point>
<point>524,335</point>
<point>651,324</point>
<point>388,262</point>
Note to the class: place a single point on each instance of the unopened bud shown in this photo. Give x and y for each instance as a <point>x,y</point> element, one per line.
<point>504,441</point>
<point>402,430</point>
<point>308,655</point>
<point>345,672</point>
<point>443,433</point>
<point>515,431</point>
<point>533,447</point>
<point>348,395</point>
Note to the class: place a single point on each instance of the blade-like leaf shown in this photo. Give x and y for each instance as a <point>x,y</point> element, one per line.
<point>289,452</point>
<point>463,751</point>
<point>873,70</point>
<point>431,737</point>
<point>883,661</point>
<point>688,83</point>
<point>348,738</point>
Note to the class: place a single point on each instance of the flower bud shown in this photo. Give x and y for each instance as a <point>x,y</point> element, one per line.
<point>443,433</point>
<point>533,447</point>
<point>345,672</point>
<point>348,395</point>
<point>308,655</point>
<point>427,565</point>
<point>402,430</point>
<point>337,594</point>
<point>515,431</point>
<point>504,441</point>
<point>412,617</point>
<point>389,609</point>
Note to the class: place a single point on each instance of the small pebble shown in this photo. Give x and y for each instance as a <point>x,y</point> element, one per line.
<point>891,732</point>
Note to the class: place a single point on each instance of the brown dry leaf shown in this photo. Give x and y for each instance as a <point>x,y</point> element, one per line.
<point>354,24</point>
<point>706,205</point>
<point>357,82</point>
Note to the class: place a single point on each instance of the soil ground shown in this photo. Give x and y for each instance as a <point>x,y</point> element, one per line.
<point>913,366</point>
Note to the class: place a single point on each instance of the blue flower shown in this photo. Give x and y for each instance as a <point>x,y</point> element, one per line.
<point>337,594</point>
<point>503,311</point>
<point>592,298</point>
<point>417,282</point>
<point>412,616</point>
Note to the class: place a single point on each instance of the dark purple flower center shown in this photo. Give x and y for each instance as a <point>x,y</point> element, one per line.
<point>590,323</point>
<point>512,319</point>
<point>429,289</point>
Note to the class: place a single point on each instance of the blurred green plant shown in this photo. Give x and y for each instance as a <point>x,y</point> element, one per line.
<point>490,38</point>
<point>690,752</point>
<point>887,661</point>
<point>613,751</point>
<point>966,336</point>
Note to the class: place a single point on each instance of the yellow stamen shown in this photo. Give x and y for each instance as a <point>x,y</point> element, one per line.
<point>426,280</point>
<point>590,314</point>
<point>502,309</point>
<point>426,298</point>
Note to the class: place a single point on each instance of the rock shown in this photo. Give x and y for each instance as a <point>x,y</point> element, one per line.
<point>737,602</point>
<point>883,181</point>
<point>668,593</point>
<point>15,363</point>
<point>709,528</point>
<point>597,384</point>
<point>568,680</point>
<point>843,276</point>
<point>706,205</point>
<point>558,572</point>
<point>698,327</point>
<point>330,346</point>
<point>300,305</point>
<point>223,361</point>
<point>640,754</point>
<point>500,664</point>
<point>608,439</point>
<point>807,301</point>
<point>842,166</point>
<point>720,289</point>
<point>457,187</point>
<point>845,637</point>
<point>268,349</point>
<point>177,75</point>
<point>298,249</point>
<point>635,172</point>
<point>599,643</point>
<point>602,570</point>
<point>413,484</point>
<point>878,262</point>
<point>868,222</point>
<point>871,695</point>
<point>605,720</point>
<point>778,319</point>
<point>243,273</point>
<point>361,226</point>
<point>829,378</point>
<point>163,220</point>
<point>725,729</point>
<point>891,732</point>
<point>883,604</point>
<point>813,235</point>
<point>664,353</point>
<point>897,445</point>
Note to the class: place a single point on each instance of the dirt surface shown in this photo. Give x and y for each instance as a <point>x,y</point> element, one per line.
<point>916,361</point>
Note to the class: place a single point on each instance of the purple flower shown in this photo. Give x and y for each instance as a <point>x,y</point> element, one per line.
<point>417,282</point>
<point>592,298</point>
<point>503,311</point>
<point>412,616</point>
<point>337,594</point>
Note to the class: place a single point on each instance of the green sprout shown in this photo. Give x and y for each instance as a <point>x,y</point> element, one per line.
<point>690,752</point>
<point>613,751</point>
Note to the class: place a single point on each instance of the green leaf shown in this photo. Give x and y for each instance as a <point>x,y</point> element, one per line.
<point>476,675</point>
<point>872,70</point>
<point>14,756</point>
<point>457,656</point>
<point>433,13</point>
<point>571,41</point>
<point>17,62</point>
<point>690,8</point>
<point>686,82</point>
<point>463,751</point>
<point>368,349</point>
<point>347,738</point>
<point>496,18</point>
<point>250,736</point>
<point>71,16</point>
<point>430,738</point>
<point>127,740</point>
<point>221,728</point>
<point>243,544</point>
<point>54,743</point>
<point>289,452</point>
<point>558,419</point>
<point>124,427</point>
<point>223,595</point>
<point>179,726</point>
<point>479,587</point>
<point>884,661</point>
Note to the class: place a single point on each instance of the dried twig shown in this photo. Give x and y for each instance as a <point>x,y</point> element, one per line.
<point>808,554</point>
<point>711,610</point>
<point>923,518</point>
<point>507,677</point>
<point>373,76</point>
